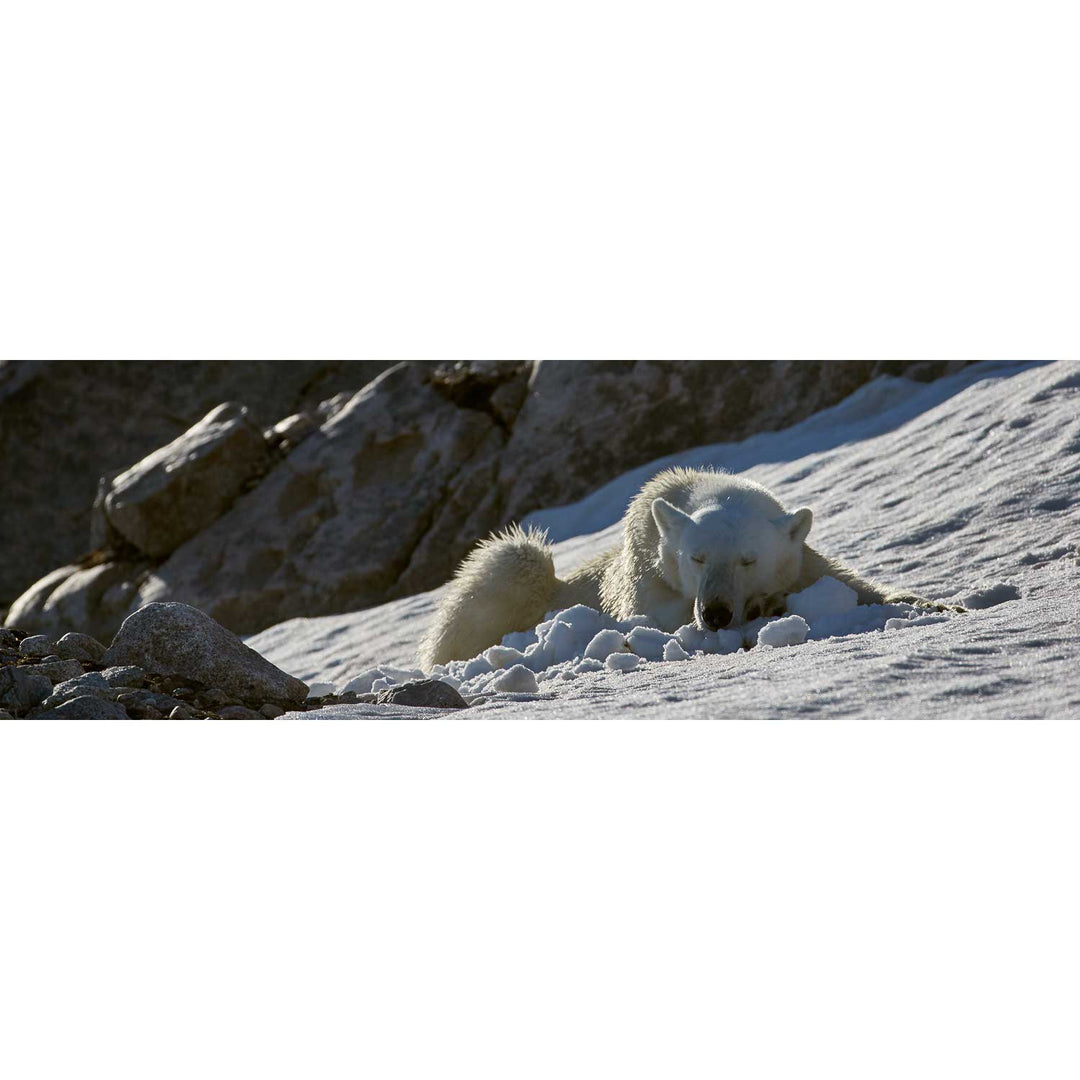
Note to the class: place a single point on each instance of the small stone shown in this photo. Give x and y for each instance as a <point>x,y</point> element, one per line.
<point>430,692</point>
<point>214,699</point>
<point>85,708</point>
<point>80,647</point>
<point>184,693</point>
<point>270,710</point>
<point>90,683</point>
<point>144,712</point>
<point>239,712</point>
<point>58,671</point>
<point>37,645</point>
<point>52,660</point>
<point>8,640</point>
<point>5,715</point>
<point>127,675</point>
<point>182,712</point>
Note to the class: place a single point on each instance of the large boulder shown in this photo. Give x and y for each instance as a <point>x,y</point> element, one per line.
<point>177,491</point>
<point>337,523</point>
<point>92,599</point>
<point>175,639</point>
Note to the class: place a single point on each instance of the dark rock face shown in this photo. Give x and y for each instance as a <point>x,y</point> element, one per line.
<point>175,639</point>
<point>74,421</point>
<point>380,493</point>
<point>85,708</point>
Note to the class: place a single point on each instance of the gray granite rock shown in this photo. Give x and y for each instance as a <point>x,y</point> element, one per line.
<point>178,490</point>
<point>37,645</point>
<point>85,708</point>
<point>76,646</point>
<point>126,675</point>
<point>22,688</point>
<point>59,671</point>
<point>178,640</point>
<point>270,710</point>
<point>431,692</point>
<point>89,684</point>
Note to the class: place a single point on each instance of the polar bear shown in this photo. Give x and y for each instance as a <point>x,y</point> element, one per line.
<point>700,546</point>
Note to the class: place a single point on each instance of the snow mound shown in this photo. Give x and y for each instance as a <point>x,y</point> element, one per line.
<point>582,641</point>
<point>990,596</point>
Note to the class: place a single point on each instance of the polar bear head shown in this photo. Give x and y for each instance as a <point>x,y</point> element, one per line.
<point>737,559</point>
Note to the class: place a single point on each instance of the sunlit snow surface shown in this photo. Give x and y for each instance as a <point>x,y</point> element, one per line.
<point>965,489</point>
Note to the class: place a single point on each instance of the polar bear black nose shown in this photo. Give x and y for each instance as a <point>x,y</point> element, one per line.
<point>716,616</point>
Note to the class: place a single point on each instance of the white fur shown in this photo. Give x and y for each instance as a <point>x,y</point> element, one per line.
<point>695,543</point>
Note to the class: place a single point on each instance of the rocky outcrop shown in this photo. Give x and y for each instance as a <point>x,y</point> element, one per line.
<point>380,493</point>
<point>64,424</point>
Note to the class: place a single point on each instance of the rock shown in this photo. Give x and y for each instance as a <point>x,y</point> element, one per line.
<point>112,414</point>
<point>60,671</point>
<point>430,692</point>
<point>178,640</point>
<point>80,647</point>
<point>126,675</point>
<point>174,492</point>
<point>294,429</point>
<point>182,712</point>
<point>22,688</point>
<point>9,640</point>
<point>239,712</point>
<point>270,710</point>
<point>5,715</point>
<point>335,524</point>
<point>96,598</point>
<point>37,645</point>
<point>85,708</point>
<point>142,712</point>
<point>89,684</point>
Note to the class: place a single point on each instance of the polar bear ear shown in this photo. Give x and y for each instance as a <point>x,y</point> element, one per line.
<point>797,525</point>
<point>670,520</point>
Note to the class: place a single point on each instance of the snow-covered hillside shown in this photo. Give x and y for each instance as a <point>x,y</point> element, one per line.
<point>967,489</point>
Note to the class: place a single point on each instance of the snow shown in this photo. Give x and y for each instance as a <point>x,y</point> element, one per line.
<point>966,489</point>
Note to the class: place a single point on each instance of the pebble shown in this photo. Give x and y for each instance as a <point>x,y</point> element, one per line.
<point>5,715</point>
<point>182,712</point>
<point>128,675</point>
<point>37,645</point>
<point>58,671</point>
<point>239,712</point>
<point>8,639</point>
<point>85,708</point>
<point>270,710</point>
<point>80,647</point>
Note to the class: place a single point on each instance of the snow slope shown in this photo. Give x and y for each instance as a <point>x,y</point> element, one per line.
<point>967,488</point>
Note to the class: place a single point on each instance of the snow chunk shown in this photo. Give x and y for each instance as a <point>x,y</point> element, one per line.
<point>622,662</point>
<point>647,642</point>
<point>791,630</point>
<point>604,644</point>
<point>500,656</point>
<point>320,689</point>
<point>990,596</point>
<point>517,680</point>
<point>674,651</point>
<point>826,596</point>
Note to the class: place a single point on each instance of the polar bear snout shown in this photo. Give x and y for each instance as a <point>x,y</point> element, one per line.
<point>716,615</point>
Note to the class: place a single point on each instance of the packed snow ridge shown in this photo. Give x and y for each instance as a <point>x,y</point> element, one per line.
<point>581,640</point>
